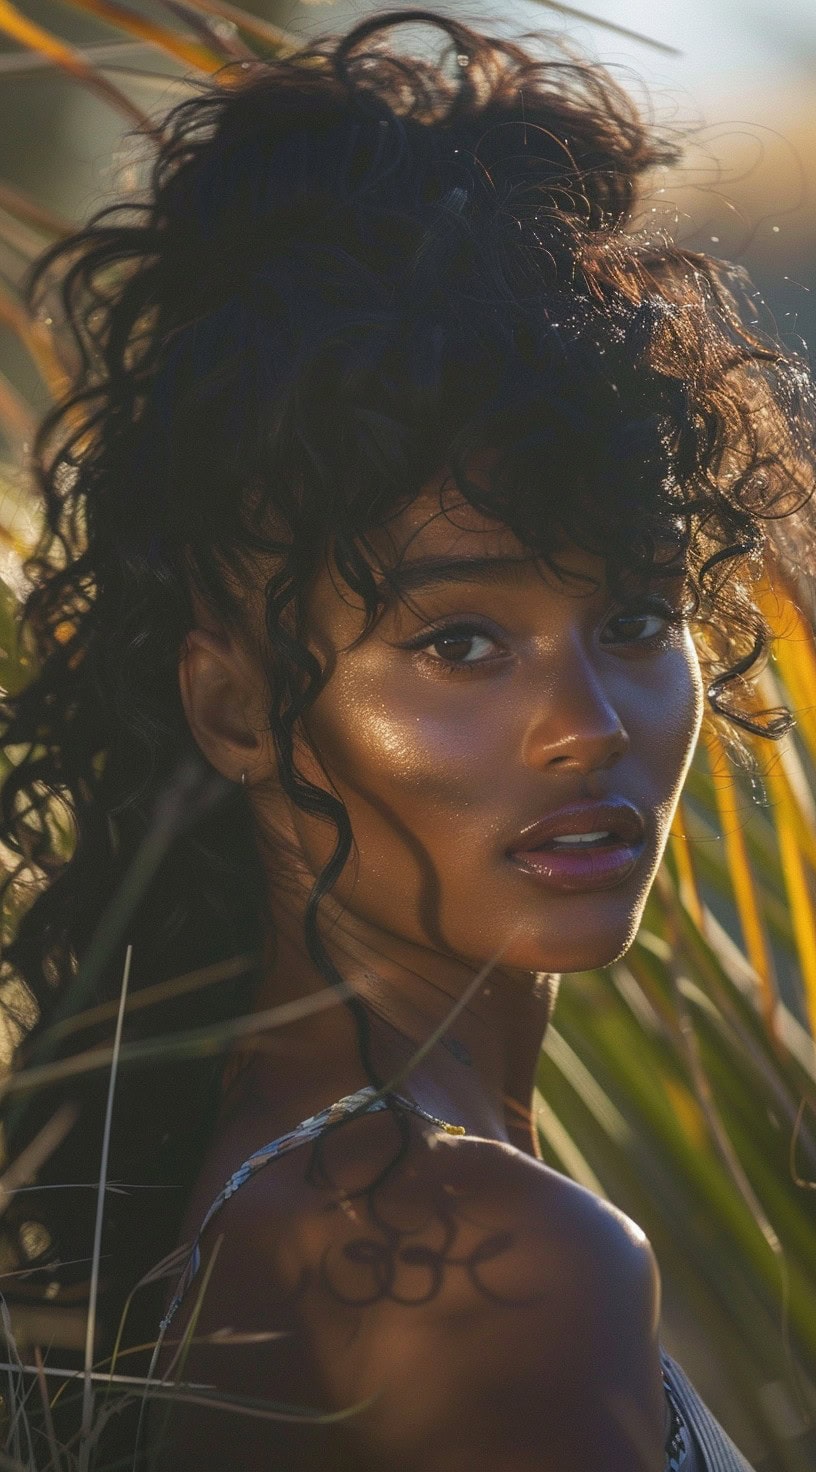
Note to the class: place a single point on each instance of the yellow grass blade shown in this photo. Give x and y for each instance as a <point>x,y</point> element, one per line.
<point>22,207</point>
<point>192,53</point>
<point>36,337</point>
<point>739,868</point>
<point>283,43</point>
<point>686,877</point>
<point>16,419</point>
<point>698,1078</point>
<point>687,1112</point>
<point>797,667</point>
<point>794,651</point>
<point>221,34</point>
<point>790,774</point>
<point>794,873</point>
<point>20,238</point>
<point>27,33</point>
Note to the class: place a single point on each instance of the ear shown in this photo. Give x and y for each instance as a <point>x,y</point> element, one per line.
<point>224,693</point>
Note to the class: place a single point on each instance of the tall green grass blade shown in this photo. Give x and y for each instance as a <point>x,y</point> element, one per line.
<point>87,1389</point>
<point>53,1449</point>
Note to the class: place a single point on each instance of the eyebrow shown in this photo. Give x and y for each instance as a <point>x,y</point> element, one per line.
<point>428,572</point>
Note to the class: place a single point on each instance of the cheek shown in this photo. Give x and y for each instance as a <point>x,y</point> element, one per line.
<point>670,714</point>
<point>410,775</point>
<point>381,741</point>
<point>684,705</point>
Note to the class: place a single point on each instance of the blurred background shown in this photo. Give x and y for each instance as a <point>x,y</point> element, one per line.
<point>620,1108</point>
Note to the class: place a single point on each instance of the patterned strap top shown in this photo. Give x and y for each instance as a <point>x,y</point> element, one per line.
<point>695,1441</point>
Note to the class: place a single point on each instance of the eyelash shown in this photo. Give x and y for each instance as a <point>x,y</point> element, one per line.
<point>468,629</point>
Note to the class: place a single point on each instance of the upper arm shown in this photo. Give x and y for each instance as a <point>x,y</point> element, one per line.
<point>495,1315</point>
<point>543,1358</point>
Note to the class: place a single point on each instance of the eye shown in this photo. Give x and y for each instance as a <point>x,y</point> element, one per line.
<point>461,645</point>
<point>646,610</point>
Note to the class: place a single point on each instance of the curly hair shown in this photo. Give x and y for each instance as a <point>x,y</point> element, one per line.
<point>352,266</point>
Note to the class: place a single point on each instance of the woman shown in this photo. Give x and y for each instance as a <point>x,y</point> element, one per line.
<point>420,500</point>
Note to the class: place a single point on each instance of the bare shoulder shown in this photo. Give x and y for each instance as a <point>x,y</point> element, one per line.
<point>490,1311</point>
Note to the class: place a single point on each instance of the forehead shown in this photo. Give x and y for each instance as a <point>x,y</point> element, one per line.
<point>440,521</point>
<point>439,538</point>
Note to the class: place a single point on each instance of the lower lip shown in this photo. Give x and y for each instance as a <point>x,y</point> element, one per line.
<point>571,869</point>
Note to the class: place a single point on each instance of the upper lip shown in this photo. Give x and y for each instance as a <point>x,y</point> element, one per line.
<point>614,815</point>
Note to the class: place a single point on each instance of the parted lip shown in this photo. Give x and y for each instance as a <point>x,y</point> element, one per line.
<point>614,814</point>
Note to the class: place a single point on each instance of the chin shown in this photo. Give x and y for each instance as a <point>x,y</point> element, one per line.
<point>586,952</point>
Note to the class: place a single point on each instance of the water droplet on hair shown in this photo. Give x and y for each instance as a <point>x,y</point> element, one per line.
<point>715,240</point>
<point>462,59</point>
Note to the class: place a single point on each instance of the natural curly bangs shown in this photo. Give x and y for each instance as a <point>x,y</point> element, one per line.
<point>353,266</point>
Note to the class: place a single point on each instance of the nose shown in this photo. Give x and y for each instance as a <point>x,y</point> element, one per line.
<point>575,725</point>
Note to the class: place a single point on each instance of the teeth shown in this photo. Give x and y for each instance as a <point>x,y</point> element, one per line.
<point>580,837</point>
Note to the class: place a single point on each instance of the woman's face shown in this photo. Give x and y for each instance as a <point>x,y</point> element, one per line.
<point>491,697</point>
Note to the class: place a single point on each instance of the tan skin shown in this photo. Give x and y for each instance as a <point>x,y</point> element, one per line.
<point>545,1355</point>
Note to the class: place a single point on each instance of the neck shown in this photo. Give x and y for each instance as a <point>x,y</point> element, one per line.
<point>481,1071</point>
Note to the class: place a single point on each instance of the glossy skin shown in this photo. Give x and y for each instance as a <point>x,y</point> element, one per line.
<point>442,755</point>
